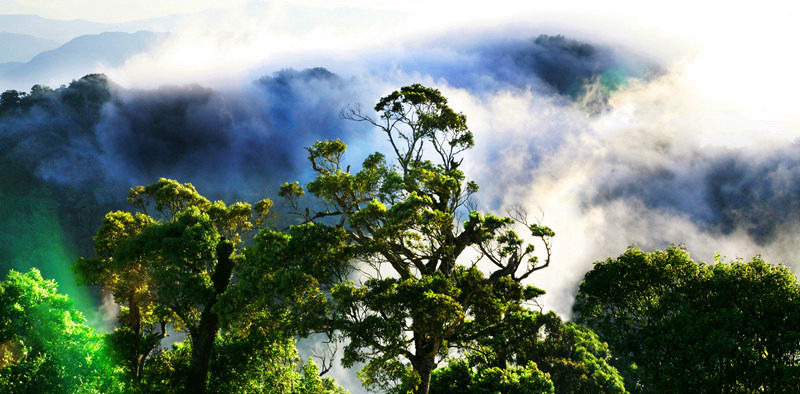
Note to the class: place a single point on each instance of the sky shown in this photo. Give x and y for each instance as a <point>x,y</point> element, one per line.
<point>115,11</point>
<point>698,146</point>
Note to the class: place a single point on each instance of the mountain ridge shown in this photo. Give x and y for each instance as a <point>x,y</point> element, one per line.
<point>22,47</point>
<point>63,31</point>
<point>80,56</point>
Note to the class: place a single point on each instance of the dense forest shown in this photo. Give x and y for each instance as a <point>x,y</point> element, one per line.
<point>388,260</point>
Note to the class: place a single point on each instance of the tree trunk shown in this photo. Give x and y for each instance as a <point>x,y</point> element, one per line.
<point>134,313</point>
<point>135,321</point>
<point>202,345</point>
<point>425,371</point>
<point>205,334</point>
<point>425,360</point>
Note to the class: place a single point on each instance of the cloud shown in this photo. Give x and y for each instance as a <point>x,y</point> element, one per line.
<point>231,144</point>
<point>663,163</point>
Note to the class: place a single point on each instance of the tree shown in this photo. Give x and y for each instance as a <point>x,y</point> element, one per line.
<point>10,99</point>
<point>240,364</point>
<point>461,376</point>
<point>38,91</point>
<point>275,368</point>
<point>675,325</point>
<point>143,321</point>
<point>170,269</point>
<point>45,345</point>
<point>397,225</point>
<point>572,357</point>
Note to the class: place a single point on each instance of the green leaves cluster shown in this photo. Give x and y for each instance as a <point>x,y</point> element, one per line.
<point>168,265</point>
<point>564,358</point>
<point>678,325</point>
<point>45,346</point>
<point>283,289</point>
<point>460,376</point>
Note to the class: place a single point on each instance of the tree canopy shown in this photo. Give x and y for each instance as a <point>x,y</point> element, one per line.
<point>535,352</point>
<point>396,223</point>
<point>168,265</point>
<point>676,325</point>
<point>45,346</point>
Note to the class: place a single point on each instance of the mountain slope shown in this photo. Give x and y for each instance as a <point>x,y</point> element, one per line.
<point>83,55</point>
<point>22,47</point>
<point>49,29</point>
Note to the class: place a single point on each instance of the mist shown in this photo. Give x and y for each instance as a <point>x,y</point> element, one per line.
<point>563,127</point>
<point>623,129</point>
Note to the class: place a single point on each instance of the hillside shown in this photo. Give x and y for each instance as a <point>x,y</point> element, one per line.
<point>22,47</point>
<point>83,55</point>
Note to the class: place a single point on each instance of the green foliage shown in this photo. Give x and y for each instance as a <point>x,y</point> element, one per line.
<point>172,264</point>
<point>31,236</point>
<point>680,326</point>
<point>167,197</point>
<point>180,257</point>
<point>10,99</point>
<point>167,370</point>
<point>313,383</point>
<point>459,376</point>
<point>282,288</point>
<point>397,225</point>
<point>85,96</point>
<point>241,364</point>
<point>45,345</point>
<point>169,265</point>
<point>572,356</point>
<point>253,364</point>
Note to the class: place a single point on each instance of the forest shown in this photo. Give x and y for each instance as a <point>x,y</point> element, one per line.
<point>389,261</point>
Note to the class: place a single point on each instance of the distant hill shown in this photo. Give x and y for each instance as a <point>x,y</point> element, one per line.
<point>80,56</point>
<point>49,29</point>
<point>22,47</point>
<point>63,31</point>
<point>294,18</point>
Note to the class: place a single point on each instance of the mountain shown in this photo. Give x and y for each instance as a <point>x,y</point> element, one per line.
<point>22,47</point>
<point>49,29</point>
<point>282,16</point>
<point>80,56</point>
<point>64,31</point>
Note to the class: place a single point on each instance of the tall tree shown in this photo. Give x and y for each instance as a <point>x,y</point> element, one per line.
<point>169,264</point>
<point>398,224</point>
<point>131,286</point>
<point>676,325</point>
